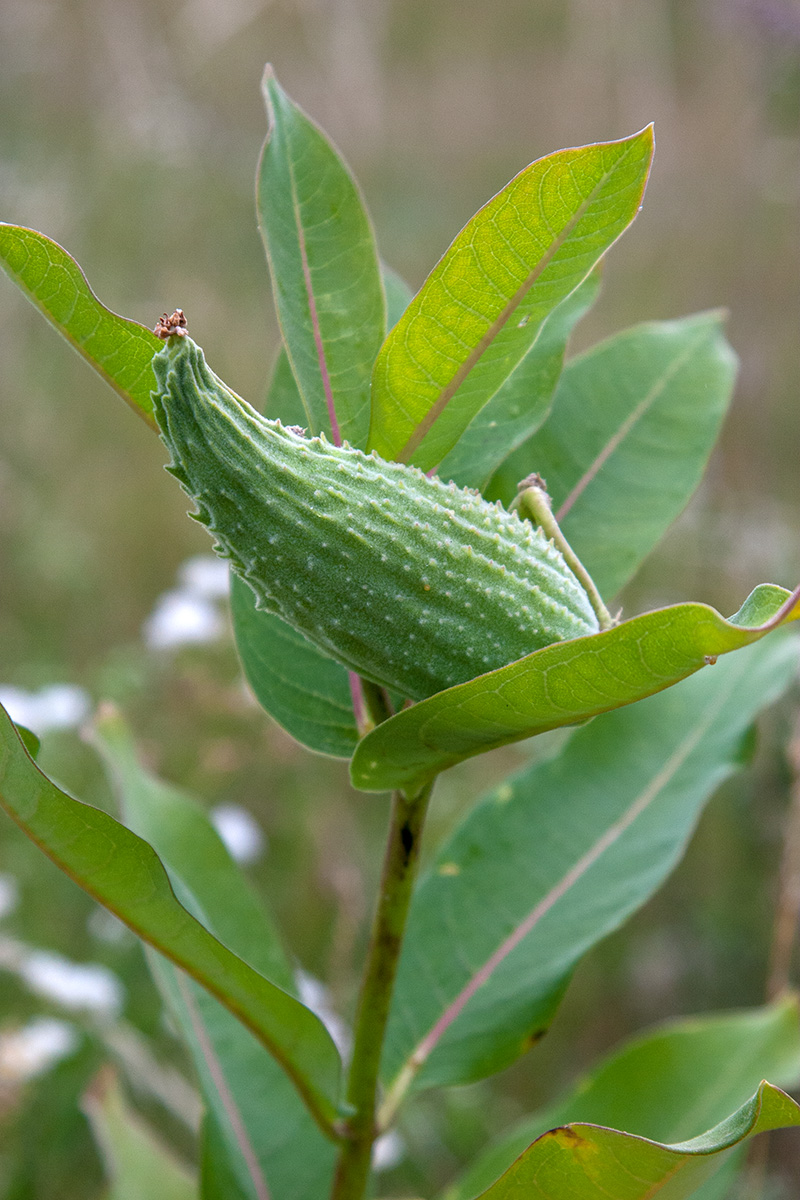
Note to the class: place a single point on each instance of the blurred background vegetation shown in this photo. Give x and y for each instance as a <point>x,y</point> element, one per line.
<point>129,132</point>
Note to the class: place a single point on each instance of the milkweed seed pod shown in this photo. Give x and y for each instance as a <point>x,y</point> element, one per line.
<point>411,582</point>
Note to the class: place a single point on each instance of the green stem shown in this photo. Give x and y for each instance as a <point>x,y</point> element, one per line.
<point>397,881</point>
<point>787,908</point>
<point>533,501</point>
<point>378,704</point>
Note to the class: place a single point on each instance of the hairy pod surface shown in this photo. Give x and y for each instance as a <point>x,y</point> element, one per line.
<point>411,582</point>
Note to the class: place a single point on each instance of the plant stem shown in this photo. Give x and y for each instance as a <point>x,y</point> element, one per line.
<point>378,705</point>
<point>784,933</point>
<point>534,501</point>
<point>788,904</point>
<point>397,881</point>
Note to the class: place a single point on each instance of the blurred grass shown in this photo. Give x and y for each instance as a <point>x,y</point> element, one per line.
<point>130,132</point>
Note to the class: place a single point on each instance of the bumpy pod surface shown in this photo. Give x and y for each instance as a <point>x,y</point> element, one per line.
<point>413,583</point>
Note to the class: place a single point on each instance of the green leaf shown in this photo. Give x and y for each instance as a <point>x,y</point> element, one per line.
<point>119,350</point>
<point>197,860</point>
<point>632,425</point>
<point>124,873</point>
<point>305,692</point>
<point>563,684</point>
<point>667,1084</point>
<point>586,1162</point>
<point>556,859</point>
<point>217,1178</point>
<point>481,308</point>
<point>284,402</point>
<point>139,1166</point>
<point>324,266</point>
<point>521,404</point>
<point>269,1140</point>
<point>30,740</point>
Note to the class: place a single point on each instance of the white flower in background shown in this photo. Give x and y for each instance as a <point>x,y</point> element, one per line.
<point>180,619</point>
<point>35,1048</point>
<point>388,1151</point>
<point>9,894</point>
<point>59,706</point>
<point>205,575</point>
<point>316,996</point>
<point>240,832</point>
<point>72,985</point>
<point>187,615</point>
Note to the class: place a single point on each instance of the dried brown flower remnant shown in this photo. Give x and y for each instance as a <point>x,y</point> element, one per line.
<point>167,326</point>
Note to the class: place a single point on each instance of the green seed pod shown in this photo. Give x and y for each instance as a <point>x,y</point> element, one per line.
<point>411,582</point>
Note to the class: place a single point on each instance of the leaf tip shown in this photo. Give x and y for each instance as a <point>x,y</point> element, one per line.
<point>269,84</point>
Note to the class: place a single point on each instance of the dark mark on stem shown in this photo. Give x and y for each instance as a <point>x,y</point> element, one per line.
<point>407,838</point>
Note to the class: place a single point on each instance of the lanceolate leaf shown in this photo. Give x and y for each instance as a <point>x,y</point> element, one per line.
<point>563,684</point>
<point>632,425</point>
<point>666,1084</point>
<point>520,405</point>
<point>556,859</point>
<point>481,308</point>
<point>269,1140</point>
<point>124,873</point>
<point>284,402</point>
<point>586,1162</point>
<point>324,266</point>
<point>305,692</point>
<point>217,1178</point>
<point>119,350</point>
